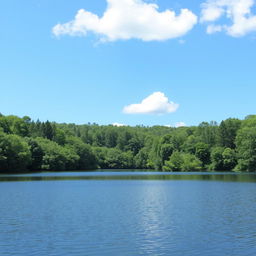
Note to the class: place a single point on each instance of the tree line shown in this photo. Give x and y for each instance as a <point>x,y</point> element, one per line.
<point>27,145</point>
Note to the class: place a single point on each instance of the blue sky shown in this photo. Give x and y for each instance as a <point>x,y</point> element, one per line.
<point>93,74</point>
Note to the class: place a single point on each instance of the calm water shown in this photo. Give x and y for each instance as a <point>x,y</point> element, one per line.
<point>111,213</point>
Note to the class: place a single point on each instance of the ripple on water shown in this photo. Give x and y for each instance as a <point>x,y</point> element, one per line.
<point>128,217</point>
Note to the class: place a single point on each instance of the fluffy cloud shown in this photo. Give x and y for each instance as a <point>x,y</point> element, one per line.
<point>126,19</point>
<point>118,124</point>
<point>238,11</point>
<point>156,103</point>
<point>180,124</point>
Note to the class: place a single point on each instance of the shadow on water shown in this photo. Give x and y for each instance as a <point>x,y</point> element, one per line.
<point>226,177</point>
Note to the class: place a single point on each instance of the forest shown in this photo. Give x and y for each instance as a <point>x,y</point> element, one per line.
<point>27,145</point>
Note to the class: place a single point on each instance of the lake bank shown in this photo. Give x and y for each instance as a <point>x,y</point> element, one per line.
<point>129,175</point>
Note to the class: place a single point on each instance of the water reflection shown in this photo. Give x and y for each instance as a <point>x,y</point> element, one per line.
<point>125,214</point>
<point>55,176</point>
<point>152,225</point>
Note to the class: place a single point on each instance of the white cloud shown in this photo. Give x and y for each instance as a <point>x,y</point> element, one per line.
<point>210,12</point>
<point>118,124</point>
<point>213,29</point>
<point>127,19</point>
<point>180,124</point>
<point>156,103</point>
<point>238,11</point>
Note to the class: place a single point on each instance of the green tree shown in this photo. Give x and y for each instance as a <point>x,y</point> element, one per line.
<point>87,159</point>
<point>48,130</point>
<point>166,151</point>
<point>59,136</point>
<point>14,153</point>
<point>203,153</point>
<point>189,145</point>
<point>227,132</point>
<point>229,159</point>
<point>174,164</point>
<point>190,163</point>
<point>134,145</point>
<point>246,148</point>
<point>20,127</point>
<point>208,133</point>
<point>36,154</point>
<point>110,137</point>
<point>217,159</point>
<point>184,162</point>
<point>56,158</point>
<point>4,124</point>
<point>141,159</point>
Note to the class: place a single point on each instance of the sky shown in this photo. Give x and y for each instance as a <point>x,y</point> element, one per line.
<point>131,62</point>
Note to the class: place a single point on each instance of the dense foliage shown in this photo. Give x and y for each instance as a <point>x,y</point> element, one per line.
<point>26,145</point>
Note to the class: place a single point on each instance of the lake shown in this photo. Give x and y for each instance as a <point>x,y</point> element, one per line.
<point>128,213</point>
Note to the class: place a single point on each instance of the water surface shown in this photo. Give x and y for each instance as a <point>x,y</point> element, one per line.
<point>112,213</point>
